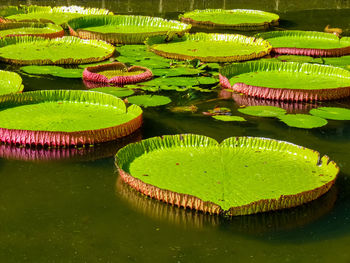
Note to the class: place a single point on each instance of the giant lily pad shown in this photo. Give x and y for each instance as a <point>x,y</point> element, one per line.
<point>303,121</point>
<point>10,82</point>
<point>31,29</point>
<point>332,113</point>
<point>61,117</point>
<point>242,175</point>
<point>116,73</point>
<point>307,43</point>
<point>238,19</point>
<point>209,47</point>
<point>58,15</point>
<point>66,50</point>
<point>124,29</point>
<point>286,80</point>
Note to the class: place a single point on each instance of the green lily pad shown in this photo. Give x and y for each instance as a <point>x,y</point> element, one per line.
<point>10,82</point>
<point>343,62</point>
<point>238,19</point>
<point>209,47</point>
<point>83,66</point>
<point>173,81</point>
<point>332,113</point>
<point>263,111</point>
<point>228,118</point>
<point>124,29</point>
<point>66,50</point>
<point>58,15</point>
<point>302,121</point>
<point>65,117</point>
<point>149,100</point>
<point>286,80</point>
<point>32,29</point>
<point>242,175</point>
<point>306,43</point>
<point>118,92</point>
<point>300,59</point>
<point>53,71</point>
<point>207,80</point>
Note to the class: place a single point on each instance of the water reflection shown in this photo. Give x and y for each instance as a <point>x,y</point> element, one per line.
<point>71,154</point>
<point>290,107</point>
<point>270,222</point>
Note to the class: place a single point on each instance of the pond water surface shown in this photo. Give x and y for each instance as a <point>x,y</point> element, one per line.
<point>70,205</point>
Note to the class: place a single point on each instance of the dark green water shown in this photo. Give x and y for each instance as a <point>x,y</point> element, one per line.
<point>73,208</point>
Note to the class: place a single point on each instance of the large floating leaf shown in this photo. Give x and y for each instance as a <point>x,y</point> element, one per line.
<point>332,113</point>
<point>61,117</point>
<point>228,118</point>
<point>31,29</point>
<point>343,62</point>
<point>238,19</point>
<point>58,15</point>
<point>303,121</point>
<point>286,80</point>
<point>53,71</point>
<point>242,175</point>
<point>10,82</point>
<point>65,50</point>
<point>307,43</point>
<point>149,100</point>
<point>124,29</point>
<point>262,111</point>
<point>209,47</point>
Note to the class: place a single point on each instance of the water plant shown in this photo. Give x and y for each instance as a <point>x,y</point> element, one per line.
<point>31,29</point>
<point>116,73</point>
<point>29,50</point>
<point>149,100</point>
<point>123,29</point>
<point>10,82</point>
<point>58,15</point>
<point>307,43</point>
<point>237,19</point>
<point>65,117</point>
<point>209,47</point>
<point>286,80</point>
<point>55,71</point>
<point>332,113</point>
<point>236,177</point>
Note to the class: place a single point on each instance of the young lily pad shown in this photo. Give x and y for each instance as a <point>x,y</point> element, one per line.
<point>286,80</point>
<point>307,43</point>
<point>209,47</point>
<point>123,29</point>
<point>53,71</point>
<point>302,121</point>
<point>116,73</point>
<point>242,175</point>
<point>10,82</point>
<point>343,62</point>
<point>173,81</point>
<point>238,19</point>
<point>149,100</point>
<point>176,71</point>
<point>228,118</point>
<point>58,15</point>
<point>263,111</point>
<point>332,113</point>
<point>207,80</point>
<point>118,92</point>
<point>65,117</point>
<point>31,29</point>
<point>30,50</point>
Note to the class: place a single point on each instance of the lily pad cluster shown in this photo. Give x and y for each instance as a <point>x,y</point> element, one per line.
<point>242,175</point>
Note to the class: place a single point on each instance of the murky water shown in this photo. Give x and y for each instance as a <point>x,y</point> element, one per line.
<point>70,206</point>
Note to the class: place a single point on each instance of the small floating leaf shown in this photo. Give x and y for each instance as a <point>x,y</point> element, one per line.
<point>207,80</point>
<point>332,113</point>
<point>303,121</point>
<point>118,92</point>
<point>53,71</point>
<point>176,71</point>
<point>149,100</point>
<point>172,81</point>
<point>263,111</point>
<point>228,118</point>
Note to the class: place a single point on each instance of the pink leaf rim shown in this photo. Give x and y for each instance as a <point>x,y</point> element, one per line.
<point>313,52</point>
<point>91,74</point>
<point>60,138</point>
